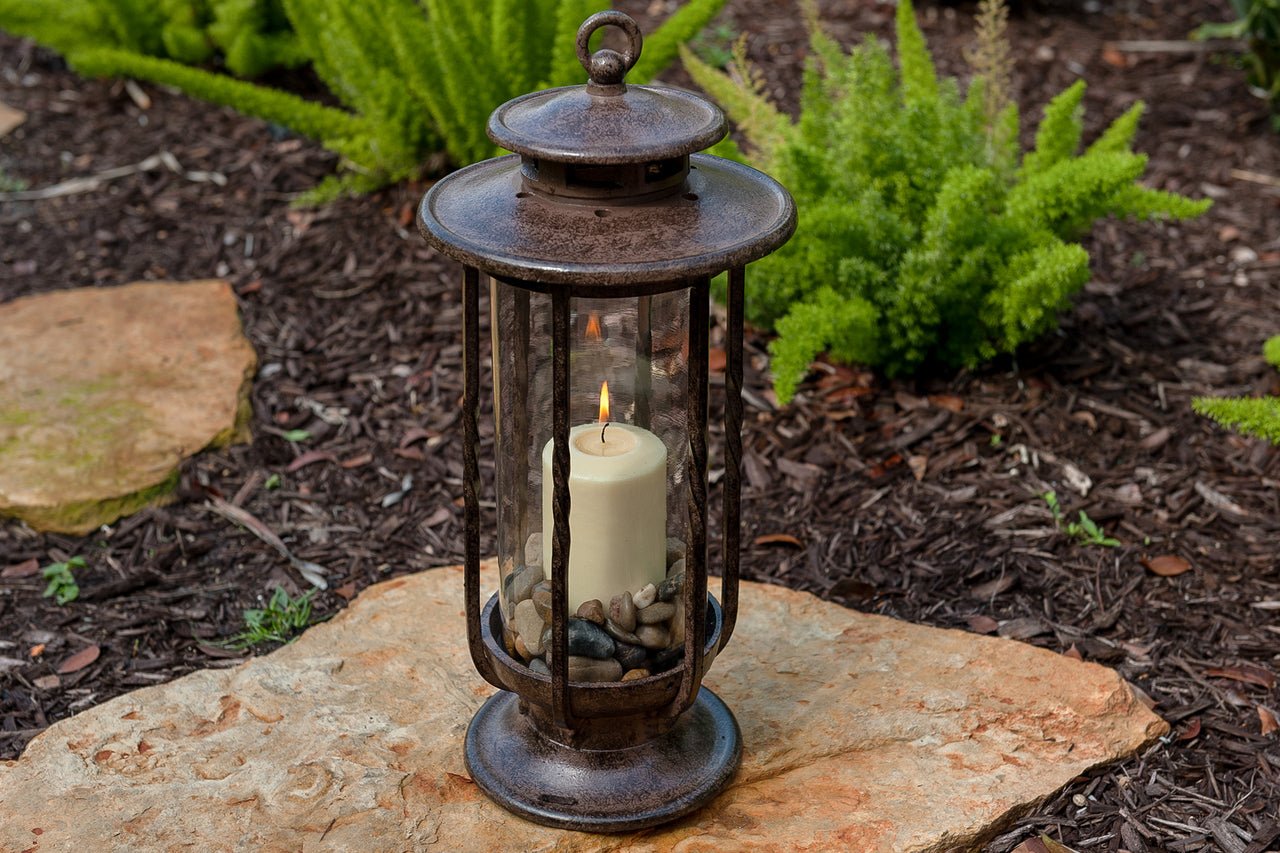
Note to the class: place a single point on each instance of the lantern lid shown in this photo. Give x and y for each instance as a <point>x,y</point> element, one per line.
<point>607,121</point>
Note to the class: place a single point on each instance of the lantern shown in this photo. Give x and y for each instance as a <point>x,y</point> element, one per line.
<point>600,237</point>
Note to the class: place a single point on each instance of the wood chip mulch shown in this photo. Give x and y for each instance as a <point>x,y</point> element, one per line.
<point>917,499</point>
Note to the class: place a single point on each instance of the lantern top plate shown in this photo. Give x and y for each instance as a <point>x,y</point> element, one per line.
<point>606,121</point>
<point>728,215</point>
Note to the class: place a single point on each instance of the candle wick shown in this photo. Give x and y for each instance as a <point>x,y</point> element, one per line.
<point>602,429</point>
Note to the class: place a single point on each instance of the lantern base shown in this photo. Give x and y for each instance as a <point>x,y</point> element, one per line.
<point>602,790</point>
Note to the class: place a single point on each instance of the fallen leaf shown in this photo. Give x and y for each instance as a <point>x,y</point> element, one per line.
<point>918,464</point>
<point>1166,566</point>
<point>37,650</point>
<point>950,402</point>
<point>80,660</point>
<point>1191,730</point>
<point>1114,58</point>
<point>980,624</point>
<point>347,590</point>
<point>717,360</point>
<point>357,461</point>
<point>47,682</point>
<point>1022,628</point>
<point>1267,718</point>
<point>1074,653</point>
<point>25,569</point>
<point>308,458</point>
<point>992,588</point>
<point>1246,673</point>
<point>778,539</point>
<point>10,119</point>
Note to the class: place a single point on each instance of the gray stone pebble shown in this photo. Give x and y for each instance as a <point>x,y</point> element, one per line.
<point>622,612</point>
<point>653,636</point>
<point>656,613</point>
<point>617,633</point>
<point>521,582</point>
<point>672,586</point>
<point>538,666</point>
<point>647,595</point>
<point>529,625</point>
<point>541,599</point>
<point>533,549</point>
<point>675,549</point>
<point>586,639</point>
<point>590,669</point>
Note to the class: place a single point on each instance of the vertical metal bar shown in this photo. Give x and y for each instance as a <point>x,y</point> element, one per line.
<point>732,452</point>
<point>695,578</point>
<point>644,359</point>
<point>471,467</point>
<point>560,510</point>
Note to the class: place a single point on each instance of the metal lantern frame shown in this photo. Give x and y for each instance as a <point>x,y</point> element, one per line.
<point>606,756</point>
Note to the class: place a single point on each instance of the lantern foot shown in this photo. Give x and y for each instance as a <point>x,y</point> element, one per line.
<point>616,790</point>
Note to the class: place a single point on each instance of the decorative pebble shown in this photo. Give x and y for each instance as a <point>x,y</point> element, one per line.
<point>622,611</point>
<point>539,667</point>
<point>586,639</point>
<point>521,648</point>
<point>675,549</point>
<point>592,611</point>
<point>666,659</point>
<point>590,669</point>
<point>671,587</point>
<point>617,633</point>
<point>647,595</point>
<point>633,674</point>
<point>653,637</point>
<point>676,568</point>
<point>542,601</point>
<point>529,625</point>
<point>521,582</point>
<point>659,611</point>
<point>630,656</point>
<point>533,549</point>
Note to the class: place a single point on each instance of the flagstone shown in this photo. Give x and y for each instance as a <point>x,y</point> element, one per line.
<point>861,733</point>
<point>104,391</point>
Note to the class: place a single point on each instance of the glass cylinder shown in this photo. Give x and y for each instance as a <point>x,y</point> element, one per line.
<point>628,484</point>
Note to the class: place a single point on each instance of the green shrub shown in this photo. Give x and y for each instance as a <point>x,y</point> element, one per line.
<point>1256,416</point>
<point>414,78</point>
<point>925,236</point>
<point>1258,23</point>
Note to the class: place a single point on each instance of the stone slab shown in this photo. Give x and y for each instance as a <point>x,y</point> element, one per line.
<point>861,733</point>
<point>103,391</point>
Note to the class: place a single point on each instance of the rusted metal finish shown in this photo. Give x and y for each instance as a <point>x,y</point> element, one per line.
<point>471,469</point>
<point>648,784</point>
<point>560,511</point>
<point>606,196</point>
<point>736,215</point>
<point>736,297</point>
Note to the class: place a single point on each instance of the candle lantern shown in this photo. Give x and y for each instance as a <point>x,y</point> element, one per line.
<point>600,236</point>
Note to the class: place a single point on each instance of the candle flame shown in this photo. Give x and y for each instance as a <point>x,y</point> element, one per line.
<point>604,402</point>
<point>593,327</point>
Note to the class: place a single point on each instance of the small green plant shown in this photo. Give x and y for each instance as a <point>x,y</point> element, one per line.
<point>1258,24</point>
<point>1256,416</point>
<point>714,45</point>
<point>415,78</point>
<point>926,236</point>
<point>10,183</point>
<point>1085,531</point>
<point>62,586</point>
<point>278,622</point>
<point>272,483</point>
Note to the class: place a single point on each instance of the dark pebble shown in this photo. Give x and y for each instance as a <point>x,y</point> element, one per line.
<point>631,657</point>
<point>586,639</point>
<point>670,588</point>
<point>615,631</point>
<point>665,659</point>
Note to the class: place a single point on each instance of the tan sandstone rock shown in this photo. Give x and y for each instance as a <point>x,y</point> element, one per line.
<point>103,391</point>
<point>861,733</point>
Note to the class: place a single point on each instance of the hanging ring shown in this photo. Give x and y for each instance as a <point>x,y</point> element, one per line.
<point>606,67</point>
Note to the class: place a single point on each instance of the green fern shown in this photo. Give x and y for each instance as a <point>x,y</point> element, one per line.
<point>1256,416</point>
<point>925,236</point>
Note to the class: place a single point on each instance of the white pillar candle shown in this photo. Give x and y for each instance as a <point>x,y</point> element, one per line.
<point>618,511</point>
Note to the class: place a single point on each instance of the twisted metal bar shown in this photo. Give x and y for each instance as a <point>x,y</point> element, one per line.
<point>732,452</point>
<point>695,576</point>
<point>471,468</point>
<point>560,711</point>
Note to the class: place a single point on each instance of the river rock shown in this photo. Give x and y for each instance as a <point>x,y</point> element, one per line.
<point>653,636</point>
<point>592,669</point>
<point>533,549</point>
<point>587,639</point>
<point>541,599</point>
<point>631,657</point>
<point>656,613</point>
<point>672,586</point>
<point>675,549</point>
<point>521,582</point>
<point>529,625</point>
<point>647,595</point>
<point>615,630</point>
<point>622,612</point>
<point>592,610</point>
<point>860,734</point>
<point>634,674</point>
<point>105,390</point>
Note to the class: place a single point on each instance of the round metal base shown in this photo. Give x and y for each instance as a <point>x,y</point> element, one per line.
<point>602,790</point>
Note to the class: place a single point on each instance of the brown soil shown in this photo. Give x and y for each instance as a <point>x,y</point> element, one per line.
<point>916,499</point>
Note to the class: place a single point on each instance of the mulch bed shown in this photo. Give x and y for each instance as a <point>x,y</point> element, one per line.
<point>917,499</point>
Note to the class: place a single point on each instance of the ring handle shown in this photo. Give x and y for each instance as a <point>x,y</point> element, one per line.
<point>606,67</point>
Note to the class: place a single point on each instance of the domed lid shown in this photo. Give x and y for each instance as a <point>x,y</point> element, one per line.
<point>607,121</point>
